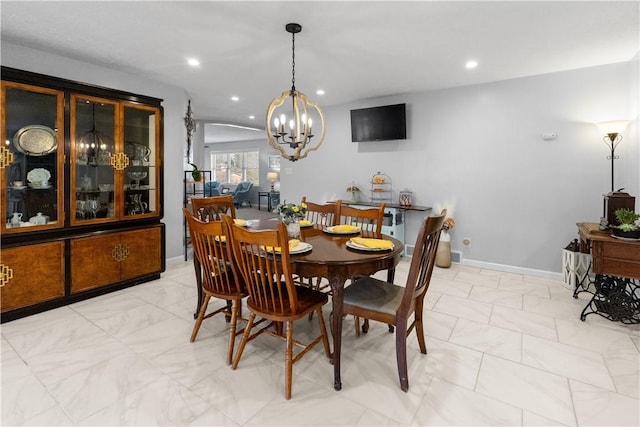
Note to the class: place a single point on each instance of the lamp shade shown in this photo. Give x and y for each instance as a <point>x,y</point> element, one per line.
<point>613,126</point>
<point>272,176</point>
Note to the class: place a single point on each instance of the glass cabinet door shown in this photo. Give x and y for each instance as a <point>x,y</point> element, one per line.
<point>93,142</point>
<point>141,178</point>
<point>31,164</point>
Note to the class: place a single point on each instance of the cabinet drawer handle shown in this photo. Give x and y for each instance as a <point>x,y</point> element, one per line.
<point>120,252</point>
<point>119,161</point>
<point>6,157</point>
<point>6,274</point>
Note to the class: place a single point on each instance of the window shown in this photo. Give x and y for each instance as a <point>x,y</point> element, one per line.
<point>234,168</point>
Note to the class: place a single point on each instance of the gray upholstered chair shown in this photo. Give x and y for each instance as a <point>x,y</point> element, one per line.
<point>212,189</point>
<point>241,193</point>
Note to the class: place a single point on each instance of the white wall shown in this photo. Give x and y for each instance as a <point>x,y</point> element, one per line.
<point>175,106</point>
<point>478,151</point>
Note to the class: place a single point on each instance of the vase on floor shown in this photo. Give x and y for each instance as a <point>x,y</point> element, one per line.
<point>443,253</point>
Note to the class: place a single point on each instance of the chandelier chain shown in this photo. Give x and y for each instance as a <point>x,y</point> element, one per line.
<point>293,63</point>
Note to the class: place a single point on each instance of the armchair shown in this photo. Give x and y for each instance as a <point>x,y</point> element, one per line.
<point>212,188</point>
<point>241,193</point>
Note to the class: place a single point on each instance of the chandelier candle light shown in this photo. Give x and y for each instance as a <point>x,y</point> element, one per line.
<point>292,139</point>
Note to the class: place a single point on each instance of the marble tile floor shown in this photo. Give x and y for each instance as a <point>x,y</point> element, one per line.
<point>503,349</point>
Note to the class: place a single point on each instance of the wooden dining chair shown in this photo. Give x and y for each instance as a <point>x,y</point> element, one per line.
<point>219,278</point>
<point>273,294</point>
<point>322,214</point>
<point>212,208</point>
<point>374,299</point>
<point>368,219</point>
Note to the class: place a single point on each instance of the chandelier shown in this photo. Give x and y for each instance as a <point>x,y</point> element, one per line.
<point>290,132</point>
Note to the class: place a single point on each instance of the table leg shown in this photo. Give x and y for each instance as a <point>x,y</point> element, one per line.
<point>337,287</point>
<point>196,266</point>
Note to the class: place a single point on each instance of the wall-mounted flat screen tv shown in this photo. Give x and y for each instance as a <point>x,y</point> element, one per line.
<point>384,123</point>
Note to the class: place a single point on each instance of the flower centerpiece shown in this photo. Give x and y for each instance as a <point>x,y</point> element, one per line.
<point>354,190</point>
<point>291,214</point>
<point>629,224</point>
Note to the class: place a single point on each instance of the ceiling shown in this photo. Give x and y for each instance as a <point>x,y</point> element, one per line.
<point>352,50</point>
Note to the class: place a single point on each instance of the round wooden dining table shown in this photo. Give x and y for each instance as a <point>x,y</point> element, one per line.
<point>332,259</point>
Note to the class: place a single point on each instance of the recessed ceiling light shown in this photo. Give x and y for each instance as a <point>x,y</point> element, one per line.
<point>235,98</point>
<point>193,62</point>
<point>252,117</point>
<point>320,92</point>
<point>471,64</point>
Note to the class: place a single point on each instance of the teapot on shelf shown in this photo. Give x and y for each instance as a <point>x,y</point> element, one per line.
<point>136,205</point>
<point>16,219</point>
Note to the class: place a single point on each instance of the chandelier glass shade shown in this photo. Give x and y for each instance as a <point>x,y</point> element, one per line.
<point>291,118</point>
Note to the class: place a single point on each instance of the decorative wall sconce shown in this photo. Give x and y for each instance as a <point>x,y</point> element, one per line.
<point>190,124</point>
<point>612,130</point>
<point>293,138</point>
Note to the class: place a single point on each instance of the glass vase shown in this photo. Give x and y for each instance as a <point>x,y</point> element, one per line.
<point>293,228</point>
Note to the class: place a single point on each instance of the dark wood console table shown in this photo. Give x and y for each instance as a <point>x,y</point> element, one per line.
<point>616,264</point>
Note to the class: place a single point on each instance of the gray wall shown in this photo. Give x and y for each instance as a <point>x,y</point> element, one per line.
<point>475,150</point>
<point>478,151</point>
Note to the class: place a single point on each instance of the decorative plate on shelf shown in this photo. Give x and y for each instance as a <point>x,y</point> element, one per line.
<point>35,140</point>
<point>38,175</point>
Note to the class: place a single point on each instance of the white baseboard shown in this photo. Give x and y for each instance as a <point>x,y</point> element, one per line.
<point>512,269</point>
<point>466,262</point>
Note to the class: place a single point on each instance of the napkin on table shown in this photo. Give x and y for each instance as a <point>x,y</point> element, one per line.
<point>292,244</point>
<point>345,227</point>
<point>373,243</point>
<point>304,222</point>
<point>239,221</point>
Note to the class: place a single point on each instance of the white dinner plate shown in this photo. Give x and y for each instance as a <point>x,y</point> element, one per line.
<point>354,245</point>
<point>301,248</point>
<point>333,230</point>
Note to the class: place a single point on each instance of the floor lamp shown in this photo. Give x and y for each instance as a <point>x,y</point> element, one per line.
<point>615,199</point>
<point>612,130</point>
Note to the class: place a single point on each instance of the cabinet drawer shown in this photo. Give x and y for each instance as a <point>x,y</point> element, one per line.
<point>33,274</point>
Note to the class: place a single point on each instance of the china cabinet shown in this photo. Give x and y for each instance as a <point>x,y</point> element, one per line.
<point>81,187</point>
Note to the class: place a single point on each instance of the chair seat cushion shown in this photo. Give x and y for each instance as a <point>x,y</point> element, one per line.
<point>374,294</point>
